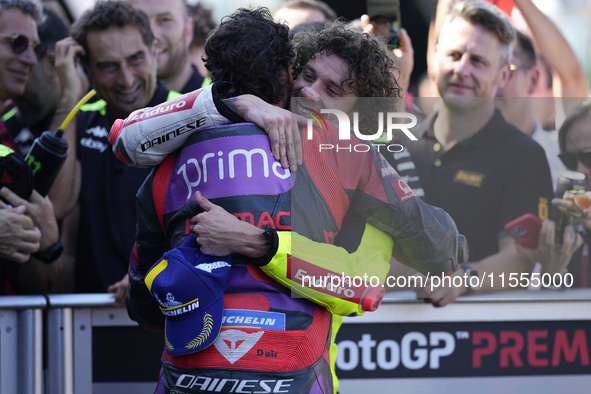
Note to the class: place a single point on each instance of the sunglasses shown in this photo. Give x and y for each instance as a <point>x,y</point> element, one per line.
<point>20,43</point>
<point>570,160</point>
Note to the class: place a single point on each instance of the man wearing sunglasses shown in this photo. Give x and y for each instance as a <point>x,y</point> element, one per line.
<point>574,138</point>
<point>28,231</point>
<point>34,109</point>
<point>19,45</point>
<point>557,259</point>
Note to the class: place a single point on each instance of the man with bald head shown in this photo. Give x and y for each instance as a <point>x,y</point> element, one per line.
<point>296,12</point>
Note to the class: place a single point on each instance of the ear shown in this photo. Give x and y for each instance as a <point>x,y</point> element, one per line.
<point>189,27</point>
<point>289,76</point>
<point>504,77</point>
<point>534,79</point>
<point>84,64</point>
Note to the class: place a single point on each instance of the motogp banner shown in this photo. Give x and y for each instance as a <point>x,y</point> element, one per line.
<point>463,349</point>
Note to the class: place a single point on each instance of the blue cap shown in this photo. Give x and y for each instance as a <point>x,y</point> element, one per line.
<point>189,286</point>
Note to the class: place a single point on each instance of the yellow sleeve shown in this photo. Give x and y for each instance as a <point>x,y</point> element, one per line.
<point>345,283</point>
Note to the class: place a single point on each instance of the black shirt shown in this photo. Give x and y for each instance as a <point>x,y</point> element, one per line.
<point>195,82</point>
<point>107,200</point>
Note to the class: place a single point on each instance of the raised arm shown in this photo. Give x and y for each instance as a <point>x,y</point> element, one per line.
<point>130,138</point>
<point>557,53</point>
<point>66,188</point>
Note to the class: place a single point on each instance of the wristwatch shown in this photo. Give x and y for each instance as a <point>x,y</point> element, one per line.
<point>472,286</point>
<point>50,254</point>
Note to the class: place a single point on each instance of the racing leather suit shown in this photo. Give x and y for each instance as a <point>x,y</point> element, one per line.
<point>295,352</point>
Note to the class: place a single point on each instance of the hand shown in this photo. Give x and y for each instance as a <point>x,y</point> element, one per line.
<point>18,235</point>
<point>553,258</point>
<point>284,134</point>
<point>404,54</point>
<point>406,61</point>
<point>219,233</point>
<point>120,289</point>
<point>72,83</point>
<point>40,210</point>
<point>568,206</point>
<point>439,294</point>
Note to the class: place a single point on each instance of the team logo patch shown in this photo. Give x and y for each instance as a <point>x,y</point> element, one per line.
<point>234,344</point>
<point>469,178</point>
<point>253,319</point>
<point>402,190</point>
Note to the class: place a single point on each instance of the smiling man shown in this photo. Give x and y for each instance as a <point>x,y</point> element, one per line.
<point>173,31</point>
<point>19,49</point>
<point>471,162</point>
<point>116,48</point>
<point>29,231</point>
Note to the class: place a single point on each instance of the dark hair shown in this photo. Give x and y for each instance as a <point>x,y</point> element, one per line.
<point>202,21</point>
<point>371,69</point>
<point>52,29</point>
<point>306,26</point>
<point>370,66</point>
<point>32,8</point>
<point>251,51</point>
<point>525,51</point>
<point>578,113</point>
<point>317,5</point>
<point>490,17</point>
<point>107,14</point>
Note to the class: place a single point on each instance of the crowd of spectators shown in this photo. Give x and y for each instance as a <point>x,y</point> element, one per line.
<point>484,136</point>
<point>486,150</point>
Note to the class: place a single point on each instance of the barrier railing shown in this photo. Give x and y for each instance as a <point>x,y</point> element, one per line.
<point>80,343</point>
<point>21,342</point>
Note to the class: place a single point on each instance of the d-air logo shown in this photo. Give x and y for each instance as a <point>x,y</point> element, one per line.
<point>266,353</point>
<point>402,190</point>
<point>234,344</point>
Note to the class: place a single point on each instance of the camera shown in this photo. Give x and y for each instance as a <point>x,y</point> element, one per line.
<point>385,16</point>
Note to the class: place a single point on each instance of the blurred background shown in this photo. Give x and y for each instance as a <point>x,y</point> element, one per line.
<point>572,17</point>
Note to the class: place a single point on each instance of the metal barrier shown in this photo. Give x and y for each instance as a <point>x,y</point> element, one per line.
<point>513,342</point>
<point>21,343</point>
<point>99,348</point>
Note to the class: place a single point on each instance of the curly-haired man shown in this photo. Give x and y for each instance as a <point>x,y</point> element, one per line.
<point>296,355</point>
